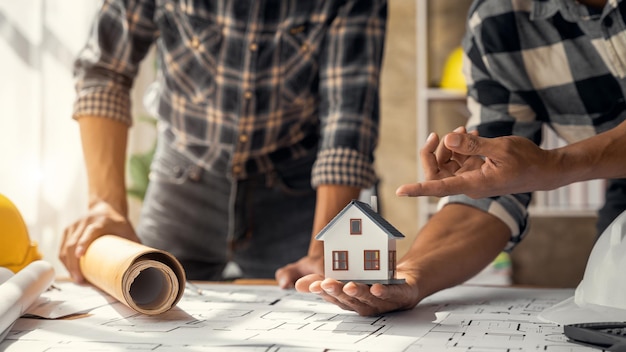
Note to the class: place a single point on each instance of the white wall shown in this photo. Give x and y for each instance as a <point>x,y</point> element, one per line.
<point>41,167</point>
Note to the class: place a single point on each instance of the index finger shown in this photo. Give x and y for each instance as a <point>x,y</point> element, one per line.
<point>460,184</point>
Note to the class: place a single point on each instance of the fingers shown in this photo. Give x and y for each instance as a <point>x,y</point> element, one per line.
<point>304,284</point>
<point>290,273</point>
<point>313,284</point>
<point>78,237</point>
<point>287,276</point>
<point>427,156</point>
<point>467,144</point>
<point>448,161</point>
<point>361,298</point>
<point>334,291</point>
<point>67,252</point>
<point>471,183</point>
<point>357,299</point>
<point>433,188</point>
<point>443,155</point>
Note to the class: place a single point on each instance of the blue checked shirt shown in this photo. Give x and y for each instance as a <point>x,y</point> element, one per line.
<point>535,62</point>
<point>247,84</point>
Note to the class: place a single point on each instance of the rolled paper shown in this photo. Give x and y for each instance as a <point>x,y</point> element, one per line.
<point>20,291</point>
<point>5,274</point>
<point>148,280</point>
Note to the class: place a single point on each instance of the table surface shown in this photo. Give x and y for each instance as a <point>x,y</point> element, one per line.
<point>256,315</point>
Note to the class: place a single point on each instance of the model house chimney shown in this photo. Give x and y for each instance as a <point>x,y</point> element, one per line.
<point>374,203</point>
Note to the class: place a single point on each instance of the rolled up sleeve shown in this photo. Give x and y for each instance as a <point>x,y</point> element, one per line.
<point>105,69</point>
<point>349,95</point>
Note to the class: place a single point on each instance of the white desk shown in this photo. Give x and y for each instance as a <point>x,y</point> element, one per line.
<point>266,318</point>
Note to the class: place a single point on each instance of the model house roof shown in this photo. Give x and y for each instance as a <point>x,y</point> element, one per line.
<point>370,213</point>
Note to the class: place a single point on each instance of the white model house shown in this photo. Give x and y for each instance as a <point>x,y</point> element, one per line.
<point>360,246</point>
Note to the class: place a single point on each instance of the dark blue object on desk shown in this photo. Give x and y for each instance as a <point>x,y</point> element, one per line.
<point>610,336</point>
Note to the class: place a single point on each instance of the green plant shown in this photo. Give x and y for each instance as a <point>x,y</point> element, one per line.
<point>139,167</point>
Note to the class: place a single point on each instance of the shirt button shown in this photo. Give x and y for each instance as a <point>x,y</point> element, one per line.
<point>608,22</point>
<point>296,30</point>
<point>253,47</point>
<point>247,94</point>
<point>195,42</point>
<point>243,138</point>
<point>195,173</point>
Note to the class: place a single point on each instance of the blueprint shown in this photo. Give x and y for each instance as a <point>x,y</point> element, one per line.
<point>19,291</point>
<point>265,318</point>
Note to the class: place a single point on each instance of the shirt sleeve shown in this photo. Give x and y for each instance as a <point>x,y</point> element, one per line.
<point>495,111</point>
<point>121,36</point>
<point>349,95</point>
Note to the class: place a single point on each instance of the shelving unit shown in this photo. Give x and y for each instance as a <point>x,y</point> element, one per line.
<point>434,43</point>
<point>440,27</point>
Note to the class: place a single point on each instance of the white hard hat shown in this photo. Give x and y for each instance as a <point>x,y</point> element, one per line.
<point>601,295</point>
<point>604,283</point>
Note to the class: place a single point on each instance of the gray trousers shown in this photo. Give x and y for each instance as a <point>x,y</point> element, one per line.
<point>207,219</point>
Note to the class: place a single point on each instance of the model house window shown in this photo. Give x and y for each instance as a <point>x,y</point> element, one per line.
<point>355,226</point>
<point>372,260</point>
<point>340,260</point>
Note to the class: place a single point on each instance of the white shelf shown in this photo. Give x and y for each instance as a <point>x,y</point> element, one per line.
<point>546,211</point>
<point>427,93</point>
<point>564,211</point>
<point>444,94</point>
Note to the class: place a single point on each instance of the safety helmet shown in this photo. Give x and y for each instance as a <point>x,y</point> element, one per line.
<point>604,283</point>
<point>452,77</point>
<point>601,295</point>
<point>16,248</point>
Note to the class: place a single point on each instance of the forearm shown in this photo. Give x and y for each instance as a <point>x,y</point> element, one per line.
<point>331,199</point>
<point>455,244</point>
<point>104,149</point>
<point>601,156</point>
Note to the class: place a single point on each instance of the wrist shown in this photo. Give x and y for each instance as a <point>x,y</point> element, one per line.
<point>118,205</point>
<point>571,166</point>
<point>316,249</point>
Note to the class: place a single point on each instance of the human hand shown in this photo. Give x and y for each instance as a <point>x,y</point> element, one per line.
<point>361,298</point>
<point>101,219</point>
<point>288,274</point>
<point>483,167</point>
<point>439,161</point>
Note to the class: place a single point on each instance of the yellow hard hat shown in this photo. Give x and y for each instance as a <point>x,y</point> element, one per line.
<point>16,248</point>
<point>452,77</point>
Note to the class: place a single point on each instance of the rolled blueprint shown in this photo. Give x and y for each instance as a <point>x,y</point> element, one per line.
<point>18,292</point>
<point>148,280</point>
<point>5,274</point>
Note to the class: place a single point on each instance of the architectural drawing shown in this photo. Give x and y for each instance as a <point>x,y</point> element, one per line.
<point>265,318</point>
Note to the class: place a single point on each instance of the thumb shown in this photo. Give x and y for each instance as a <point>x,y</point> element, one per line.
<point>467,144</point>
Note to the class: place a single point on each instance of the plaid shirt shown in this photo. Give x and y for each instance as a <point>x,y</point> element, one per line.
<point>245,85</point>
<point>530,63</point>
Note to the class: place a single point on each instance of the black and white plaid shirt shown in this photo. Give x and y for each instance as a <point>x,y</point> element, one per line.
<point>535,62</point>
<point>246,84</point>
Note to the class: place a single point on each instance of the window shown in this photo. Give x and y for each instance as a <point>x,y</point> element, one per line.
<point>355,226</point>
<point>372,260</point>
<point>340,260</point>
